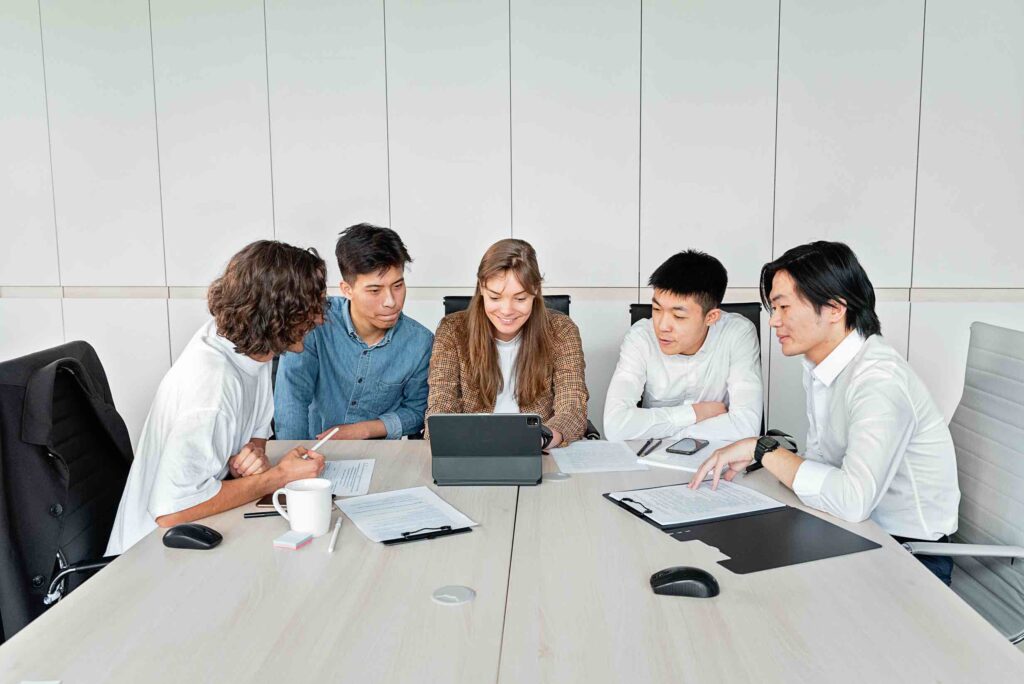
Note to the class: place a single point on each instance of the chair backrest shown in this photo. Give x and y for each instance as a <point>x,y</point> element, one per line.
<point>749,310</point>
<point>453,303</point>
<point>988,435</point>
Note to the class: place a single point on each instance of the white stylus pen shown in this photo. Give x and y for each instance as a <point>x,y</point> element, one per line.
<point>334,536</point>
<point>323,441</point>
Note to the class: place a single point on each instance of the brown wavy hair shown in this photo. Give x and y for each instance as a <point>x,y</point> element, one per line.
<point>534,361</point>
<point>270,296</point>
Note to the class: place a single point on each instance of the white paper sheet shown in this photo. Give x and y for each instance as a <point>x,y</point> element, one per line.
<point>596,456</point>
<point>349,478</point>
<point>679,505</point>
<point>388,514</point>
<point>660,458</point>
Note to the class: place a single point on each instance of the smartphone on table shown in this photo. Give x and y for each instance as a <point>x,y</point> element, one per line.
<point>687,446</point>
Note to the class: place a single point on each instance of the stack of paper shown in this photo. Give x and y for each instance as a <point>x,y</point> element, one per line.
<point>660,458</point>
<point>680,505</point>
<point>388,515</point>
<point>349,478</point>
<point>596,456</point>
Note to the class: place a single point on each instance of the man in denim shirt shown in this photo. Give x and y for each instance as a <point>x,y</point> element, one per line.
<point>365,369</point>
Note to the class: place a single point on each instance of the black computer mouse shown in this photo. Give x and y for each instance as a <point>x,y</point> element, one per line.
<point>192,536</point>
<point>684,581</point>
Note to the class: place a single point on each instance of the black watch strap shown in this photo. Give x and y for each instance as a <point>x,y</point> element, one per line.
<point>772,440</point>
<point>546,436</point>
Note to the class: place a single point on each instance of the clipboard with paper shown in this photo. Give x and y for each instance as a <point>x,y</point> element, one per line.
<point>756,531</point>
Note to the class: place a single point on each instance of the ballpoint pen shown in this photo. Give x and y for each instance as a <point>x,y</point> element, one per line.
<point>323,441</point>
<point>334,535</point>
<point>644,447</point>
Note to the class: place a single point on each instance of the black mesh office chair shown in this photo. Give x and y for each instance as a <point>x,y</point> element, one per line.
<point>749,310</point>
<point>454,303</point>
<point>64,460</point>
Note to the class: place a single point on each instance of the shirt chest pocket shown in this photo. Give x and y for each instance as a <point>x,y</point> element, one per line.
<point>384,398</point>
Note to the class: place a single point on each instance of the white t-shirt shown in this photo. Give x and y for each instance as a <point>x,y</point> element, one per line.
<point>506,402</point>
<point>208,406</point>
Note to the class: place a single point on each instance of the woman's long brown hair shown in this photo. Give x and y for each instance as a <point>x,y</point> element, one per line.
<point>533,363</point>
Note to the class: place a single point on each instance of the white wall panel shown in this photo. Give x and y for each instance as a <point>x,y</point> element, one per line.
<point>970,206</point>
<point>99,83</point>
<point>328,120</point>
<point>29,325</point>
<point>787,401</point>
<point>211,95</point>
<point>603,320</point>
<point>940,334</point>
<point>849,77</point>
<point>708,133</point>
<point>131,338</point>
<point>575,135</point>
<point>29,254</point>
<point>185,316</point>
<point>448,133</point>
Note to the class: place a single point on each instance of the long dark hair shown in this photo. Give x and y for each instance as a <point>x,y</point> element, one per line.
<point>534,361</point>
<point>270,296</point>
<point>823,272</point>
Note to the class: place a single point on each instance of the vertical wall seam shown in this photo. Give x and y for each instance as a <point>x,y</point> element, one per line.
<point>270,135</point>
<point>775,175</point>
<point>511,191</point>
<point>49,152</point>
<point>387,109</point>
<point>156,133</point>
<point>917,170</point>
<point>159,180</point>
<point>640,163</point>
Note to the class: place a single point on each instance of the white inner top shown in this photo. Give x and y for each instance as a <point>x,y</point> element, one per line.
<point>507,353</point>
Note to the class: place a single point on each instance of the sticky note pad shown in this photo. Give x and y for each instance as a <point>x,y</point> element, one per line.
<point>293,540</point>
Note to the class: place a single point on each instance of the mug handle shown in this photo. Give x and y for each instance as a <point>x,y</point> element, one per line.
<point>277,506</point>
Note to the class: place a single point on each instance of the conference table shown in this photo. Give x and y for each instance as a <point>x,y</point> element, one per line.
<point>561,578</point>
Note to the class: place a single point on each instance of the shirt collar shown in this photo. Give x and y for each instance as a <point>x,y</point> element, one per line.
<point>709,339</point>
<point>836,362</point>
<point>244,362</point>
<point>350,328</point>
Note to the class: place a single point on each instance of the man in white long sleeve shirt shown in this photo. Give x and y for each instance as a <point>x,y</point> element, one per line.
<point>877,446</point>
<point>695,369</point>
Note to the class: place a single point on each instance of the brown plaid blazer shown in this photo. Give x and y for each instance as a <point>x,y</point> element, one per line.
<point>562,408</point>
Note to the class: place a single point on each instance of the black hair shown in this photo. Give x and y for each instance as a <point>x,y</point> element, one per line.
<point>695,274</point>
<point>365,248</point>
<point>826,272</point>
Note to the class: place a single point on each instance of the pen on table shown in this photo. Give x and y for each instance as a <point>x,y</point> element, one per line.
<point>649,447</point>
<point>261,514</point>
<point>323,441</point>
<point>644,447</point>
<point>334,535</point>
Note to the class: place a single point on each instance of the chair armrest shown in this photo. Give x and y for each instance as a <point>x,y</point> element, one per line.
<point>55,592</point>
<point>975,550</point>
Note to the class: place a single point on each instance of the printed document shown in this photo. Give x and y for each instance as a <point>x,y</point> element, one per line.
<point>388,514</point>
<point>349,478</point>
<point>596,456</point>
<point>690,463</point>
<point>680,505</point>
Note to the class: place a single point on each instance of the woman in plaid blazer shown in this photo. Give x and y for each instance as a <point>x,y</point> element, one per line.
<point>507,353</point>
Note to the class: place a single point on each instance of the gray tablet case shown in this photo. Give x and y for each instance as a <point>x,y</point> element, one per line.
<point>485,449</point>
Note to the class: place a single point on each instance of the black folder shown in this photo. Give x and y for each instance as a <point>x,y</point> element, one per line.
<point>766,539</point>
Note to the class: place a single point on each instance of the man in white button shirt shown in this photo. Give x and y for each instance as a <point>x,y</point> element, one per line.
<point>695,369</point>
<point>877,446</point>
<point>211,415</point>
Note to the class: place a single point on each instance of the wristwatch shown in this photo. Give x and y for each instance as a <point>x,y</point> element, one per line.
<point>545,436</point>
<point>764,445</point>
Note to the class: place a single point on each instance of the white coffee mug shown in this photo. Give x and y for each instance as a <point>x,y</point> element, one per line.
<point>309,504</point>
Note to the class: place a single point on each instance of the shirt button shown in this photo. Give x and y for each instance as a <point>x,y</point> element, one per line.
<point>353,403</point>
<point>359,380</point>
<point>365,352</point>
<point>56,510</point>
<point>37,581</point>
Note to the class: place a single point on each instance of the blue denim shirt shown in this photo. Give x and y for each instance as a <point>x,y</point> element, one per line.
<point>338,379</point>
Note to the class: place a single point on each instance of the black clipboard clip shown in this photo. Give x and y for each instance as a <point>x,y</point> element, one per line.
<point>641,504</point>
<point>426,533</point>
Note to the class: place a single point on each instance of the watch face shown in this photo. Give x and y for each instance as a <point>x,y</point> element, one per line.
<point>767,443</point>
